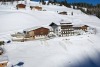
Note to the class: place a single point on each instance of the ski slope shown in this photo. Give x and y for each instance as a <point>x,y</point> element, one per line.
<point>57,52</point>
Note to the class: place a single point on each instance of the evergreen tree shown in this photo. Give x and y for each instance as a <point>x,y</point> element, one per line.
<point>42,1</point>
<point>55,1</point>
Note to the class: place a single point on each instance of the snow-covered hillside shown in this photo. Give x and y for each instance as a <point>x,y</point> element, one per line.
<point>57,52</point>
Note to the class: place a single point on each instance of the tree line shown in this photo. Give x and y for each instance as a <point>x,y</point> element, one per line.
<point>87,8</point>
<point>90,8</point>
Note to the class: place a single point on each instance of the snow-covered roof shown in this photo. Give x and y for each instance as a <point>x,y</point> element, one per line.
<point>63,21</point>
<point>36,27</point>
<point>3,61</point>
<point>32,28</point>
<point>77,25</point>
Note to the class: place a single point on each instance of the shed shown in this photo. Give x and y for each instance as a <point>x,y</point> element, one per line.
<point>85,27</point>
<point>63,13</point>
<point>20,6</point>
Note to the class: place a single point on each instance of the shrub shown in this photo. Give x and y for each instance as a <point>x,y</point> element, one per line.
<point>1,43</point>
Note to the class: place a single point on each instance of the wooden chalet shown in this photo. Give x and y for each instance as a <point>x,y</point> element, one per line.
<point>36,8</point>
<point>85,27</point>
<point>81,27</point>
<point>36,32</point>
<point>20,6</point>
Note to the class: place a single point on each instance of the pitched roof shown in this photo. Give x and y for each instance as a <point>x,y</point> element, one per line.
<point>36,27</point>
<point>32,28</point>
<point>3,62</point>
<point>53,24</point>
<point>61,22</point>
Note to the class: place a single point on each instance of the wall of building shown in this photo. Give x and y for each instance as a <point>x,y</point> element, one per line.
<point>41,31</point>
<point>38,33</point>
<point>3,64</point>
<point>31,35</point>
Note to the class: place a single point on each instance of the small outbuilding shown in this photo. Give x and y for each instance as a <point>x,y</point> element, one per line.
<point>3,64</point>
<point>63,13</point>
<point>36,8</point>
<point>84,27</point>
<point>20,6</point>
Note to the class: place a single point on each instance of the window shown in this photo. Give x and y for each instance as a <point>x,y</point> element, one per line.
<point>56,29</point>
<point>59,29</point>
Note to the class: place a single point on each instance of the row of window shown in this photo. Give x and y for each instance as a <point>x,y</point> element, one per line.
<point>64,29</point>
<point>67,35</point>
<point>67,32</point>
<point>38,35</point>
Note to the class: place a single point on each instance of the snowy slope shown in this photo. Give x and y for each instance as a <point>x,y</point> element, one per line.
<point>25,19</point>
<point>57,52</point>
<point>54,53</point>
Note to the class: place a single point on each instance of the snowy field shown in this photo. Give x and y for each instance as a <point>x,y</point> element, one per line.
<point>74,51</point>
